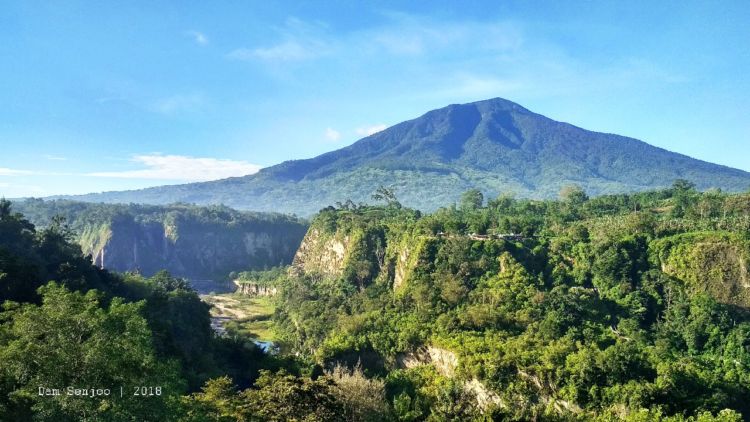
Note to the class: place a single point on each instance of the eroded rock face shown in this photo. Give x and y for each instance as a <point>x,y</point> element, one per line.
<point>485,397</point>
<point>321,253</point>
<point>402,263</point>
<point>446,362</point>
<point>712,263</point>
<point>194,251</point>
<point>254,289</point>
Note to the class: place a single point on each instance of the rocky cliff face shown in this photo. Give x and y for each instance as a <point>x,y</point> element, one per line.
<point>446,362</point>
<point>190,250</point>
<point>187,240</point>
<point>713,263</point>
<point>254,289</point>
<point>366,254</point>
<point>322,253</point>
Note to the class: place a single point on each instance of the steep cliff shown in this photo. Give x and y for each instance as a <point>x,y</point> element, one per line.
<point>322,252</point>
<point>255,289</point>
<point>712,262</point>
<point>188,241</point>
<point>446,362</point>
<point>355,249</point>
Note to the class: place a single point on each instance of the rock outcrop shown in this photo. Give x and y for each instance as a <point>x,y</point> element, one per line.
<point>712,263</point>
<point>254,289</point>
<point>190,250</point>
<point>187,240</point>
<point>446,362</point>
<point>322,253</point>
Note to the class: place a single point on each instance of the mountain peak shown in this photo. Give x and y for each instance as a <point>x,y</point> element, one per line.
<point>494,145</point>
<point>498,103</point>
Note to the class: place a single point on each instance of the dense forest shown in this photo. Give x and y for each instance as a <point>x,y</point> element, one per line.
<point>625,307</point>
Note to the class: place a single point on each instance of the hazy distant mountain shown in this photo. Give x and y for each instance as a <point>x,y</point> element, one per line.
<point>494,145</point>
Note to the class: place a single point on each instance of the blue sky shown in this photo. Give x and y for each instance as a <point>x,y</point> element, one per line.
<point>102,95</point>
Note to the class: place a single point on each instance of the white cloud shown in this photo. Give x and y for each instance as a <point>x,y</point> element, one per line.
<point>290,50</point>
<point>199,37</point>
<point>370,130</point>
<point>332,134</point>
<point>12,172</point>
<point>177,103</point>
<point>54,157</point>
<point>299,41</point>
<point>183,168</point>
<point>415,35</point>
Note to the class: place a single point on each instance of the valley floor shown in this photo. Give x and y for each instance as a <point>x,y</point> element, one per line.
<point>235,314</point>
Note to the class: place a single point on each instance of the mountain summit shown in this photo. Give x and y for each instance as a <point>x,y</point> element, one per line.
<point>494,145</point>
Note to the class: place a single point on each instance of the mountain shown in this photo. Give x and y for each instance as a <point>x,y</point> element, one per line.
<point>493,145</point>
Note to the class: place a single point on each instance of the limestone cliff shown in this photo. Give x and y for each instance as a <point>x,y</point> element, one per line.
<point>359,252</point>
<point>188,241</point>
<point>446,362</point>
<point>254,289</point>
<point>189,250</point>
<point>323,253</point>
<point>714,263</point>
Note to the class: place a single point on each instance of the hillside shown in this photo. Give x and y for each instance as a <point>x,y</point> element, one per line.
<point>493,145</point>
<point>188,241</point>
<point>625,307</point>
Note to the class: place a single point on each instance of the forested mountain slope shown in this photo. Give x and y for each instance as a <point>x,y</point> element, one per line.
<point>493,145</point>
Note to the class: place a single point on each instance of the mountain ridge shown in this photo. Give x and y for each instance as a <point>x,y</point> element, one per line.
<point>495,145</point>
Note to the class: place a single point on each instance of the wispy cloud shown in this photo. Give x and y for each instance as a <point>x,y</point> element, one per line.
<point>332,134</point>
<point>415,35</point>
<point>370,130</point>
<point>198,37</point>
<point>177,103</point>
<point>13,172</point>
<point>182,168</point>
<point>286,51</point>
<point>54,157</point>
<point>299,41</point>
<point>453,60</point>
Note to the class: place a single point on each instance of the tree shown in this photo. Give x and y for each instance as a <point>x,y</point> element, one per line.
<point>70,340</point>
<point>682,185</point>
<point>684,196</point>
<point>216,402</point>
<point>573,194</point>
<point>284,397</point>
<point>471,200</point>
<point>363,399</point>
<point>386,195</point>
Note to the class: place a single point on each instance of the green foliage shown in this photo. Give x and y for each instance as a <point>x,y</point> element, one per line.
<point>70,341</point>
<point>472,199</point>
<point>605,308</point>
<point>578,309</point>
<point>283,397</point>
<point>95,329</point>
<point>363,398</point>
